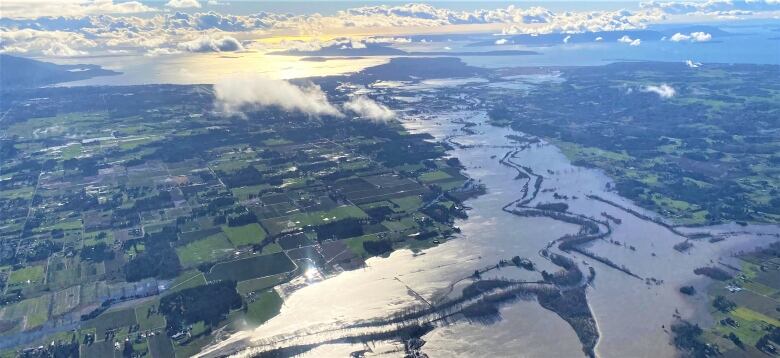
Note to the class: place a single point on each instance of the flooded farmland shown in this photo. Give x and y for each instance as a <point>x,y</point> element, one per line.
<point>625,306</point>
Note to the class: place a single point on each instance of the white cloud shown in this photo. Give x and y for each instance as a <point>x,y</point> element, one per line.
<point>161,52</point>
<point>183,31</point>
<point>354,44</point>
<point>238,94</point>
<point>388,40</point>
<point>663,91</point>
<point>369,109</point>
<point>209,44</point>
<point>599,38</point>
<point>45,43</point>
<point>713,7</point>
<point>678,37</point>
<point>62,50</point>
<point>692,64</point>
<point>700,36</point>
<point>566,39</point>
<point>692,37</point>
<point>628,40</point>
<point>341,42</point>
<point>519,20</point>
<point>578,22</point>
<point>31,9</point>
<point>183,4</point>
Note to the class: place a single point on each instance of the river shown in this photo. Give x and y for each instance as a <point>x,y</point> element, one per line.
<point>632,314</point>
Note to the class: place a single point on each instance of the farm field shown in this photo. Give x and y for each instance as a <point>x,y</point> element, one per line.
<point>163,200</point>
<point>748,305</point>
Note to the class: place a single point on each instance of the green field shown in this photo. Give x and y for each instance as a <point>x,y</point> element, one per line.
<point>323,217</point>
<point>147,316</point>
<point>160,346</point>
<point>750,315</point>
<point>29,313</point>
<point>265,307</point>
<point>100,350</point>
<point>209,249</point>
<point>300,220</point>
<point>120,319</point>
<point>30,275</point>
<point>756,305</point>
<point>245,192</point>
<point>259,284</point>
<point>244,235</point>
<point>355,244</point>
<point>187,279</point>
<point>434,176</point>
<point>407,204</point>
<point>252,267</point>
<point>140,192</point>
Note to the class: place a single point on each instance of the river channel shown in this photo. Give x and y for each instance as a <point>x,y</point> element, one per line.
<point>633,313</point>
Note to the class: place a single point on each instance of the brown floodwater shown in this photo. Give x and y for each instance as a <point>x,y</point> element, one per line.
<point>630,313</point>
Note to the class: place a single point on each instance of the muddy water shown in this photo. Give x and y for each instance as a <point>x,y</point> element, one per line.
<point>633,316</point>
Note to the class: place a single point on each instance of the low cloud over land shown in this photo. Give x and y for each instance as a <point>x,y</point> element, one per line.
<point>663,91</point>
<point>238,94</point>
<point>369,109</point>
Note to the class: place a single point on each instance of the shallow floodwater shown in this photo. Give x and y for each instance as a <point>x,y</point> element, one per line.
<point>632,315</point>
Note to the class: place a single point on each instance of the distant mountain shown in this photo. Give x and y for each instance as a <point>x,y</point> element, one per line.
<point>381,50</point>
<point>418,68</point>
<point>340,50</point>
<point>20,72</point>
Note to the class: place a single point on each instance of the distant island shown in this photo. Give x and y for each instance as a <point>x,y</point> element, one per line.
<point>20,72</point>
<point>381,50</point>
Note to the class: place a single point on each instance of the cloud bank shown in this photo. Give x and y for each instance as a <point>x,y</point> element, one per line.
<point>30,9</point>
<point>183,4</point>
<point>46,43</point>
<point>239,94</point>
<point>369,109</point>
<point>712,7</point>
<point>109,26</point>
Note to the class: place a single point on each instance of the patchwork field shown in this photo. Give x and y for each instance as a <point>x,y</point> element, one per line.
<point>748,306</point>
<point>146,216</point>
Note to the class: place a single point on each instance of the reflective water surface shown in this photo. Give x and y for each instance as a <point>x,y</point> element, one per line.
<point>633,315</point>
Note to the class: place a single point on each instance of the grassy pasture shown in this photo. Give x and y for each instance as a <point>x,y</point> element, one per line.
<point>264,307</point>
<point>251,267</point>
<point>244,235</point>
<point>209,249</point>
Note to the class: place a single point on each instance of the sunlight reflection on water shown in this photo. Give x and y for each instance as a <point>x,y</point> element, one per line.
<point>211,67</point>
